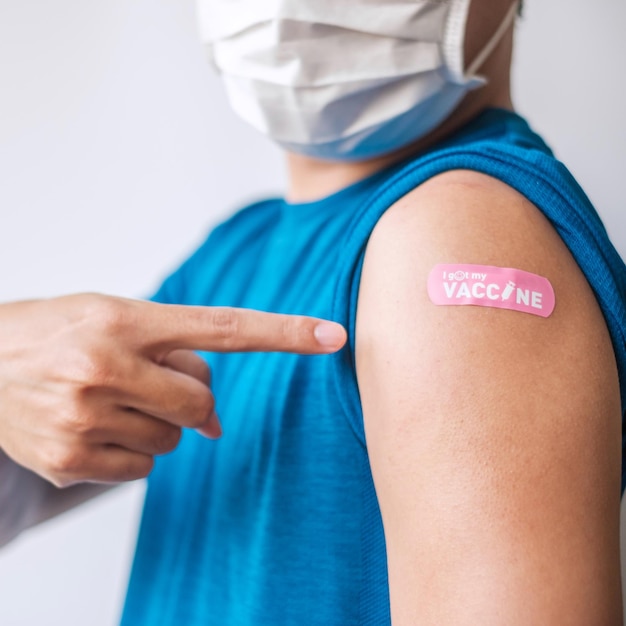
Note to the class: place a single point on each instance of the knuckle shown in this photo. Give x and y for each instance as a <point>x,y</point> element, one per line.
<point>204,371</point>
<point>63,462</point>
<point>100,374</point>
<point>60,482</point>
<point>199,410</point>
<point>225,325</point>
<point>108,314</point>
<point>294,331</point>
<point>167,440</point>
<point>132,467</point>
<point>78,421</point>
<point>138,468</point>
<point>90,370</point>
<point>287,328</point>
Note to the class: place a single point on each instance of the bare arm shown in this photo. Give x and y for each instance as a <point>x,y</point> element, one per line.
<point>494,435</point>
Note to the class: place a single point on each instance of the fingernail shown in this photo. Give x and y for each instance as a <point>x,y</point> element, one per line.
<point>212,429</point>
<point>330,335</point>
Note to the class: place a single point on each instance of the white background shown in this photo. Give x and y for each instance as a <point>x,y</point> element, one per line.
<point>118,151</point>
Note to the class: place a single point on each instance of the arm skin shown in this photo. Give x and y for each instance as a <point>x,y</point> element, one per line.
<point>494,436</point>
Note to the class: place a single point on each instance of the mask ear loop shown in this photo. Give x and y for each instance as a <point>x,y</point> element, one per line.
<point>454,40</point>
<point>477,63</point>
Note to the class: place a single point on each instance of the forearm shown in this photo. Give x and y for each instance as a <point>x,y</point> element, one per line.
<point>27,499</point>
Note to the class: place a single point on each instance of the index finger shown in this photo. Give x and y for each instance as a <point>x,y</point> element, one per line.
<point>229,329</point>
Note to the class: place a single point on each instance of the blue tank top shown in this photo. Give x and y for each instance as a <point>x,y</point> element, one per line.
<point>278,523</point>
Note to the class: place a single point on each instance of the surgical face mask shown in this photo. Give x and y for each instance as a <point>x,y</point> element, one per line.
<point>343,79</point>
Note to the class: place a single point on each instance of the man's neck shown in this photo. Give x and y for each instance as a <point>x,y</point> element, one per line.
<point>311,179</point>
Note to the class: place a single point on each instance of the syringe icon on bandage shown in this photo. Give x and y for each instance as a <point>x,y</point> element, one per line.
<point>458,284</point>
<point>508,290</point>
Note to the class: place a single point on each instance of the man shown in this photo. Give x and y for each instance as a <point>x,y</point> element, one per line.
<point>491,432</point>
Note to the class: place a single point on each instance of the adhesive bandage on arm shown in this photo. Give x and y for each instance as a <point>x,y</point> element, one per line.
<point>486,285</point>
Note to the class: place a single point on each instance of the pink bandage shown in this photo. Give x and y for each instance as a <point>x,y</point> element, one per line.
<point>486,285</point>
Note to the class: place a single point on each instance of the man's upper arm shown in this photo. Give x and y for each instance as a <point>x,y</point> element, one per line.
<point>494,435</point>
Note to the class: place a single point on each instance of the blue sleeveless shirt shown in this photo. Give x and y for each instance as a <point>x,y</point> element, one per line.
<point>277,523</point>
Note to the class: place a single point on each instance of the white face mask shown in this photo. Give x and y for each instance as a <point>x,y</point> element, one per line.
<point>343,79</point>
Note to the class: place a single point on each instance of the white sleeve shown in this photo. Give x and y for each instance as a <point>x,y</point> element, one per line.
<point>21,498</point>
<point>27,499</point>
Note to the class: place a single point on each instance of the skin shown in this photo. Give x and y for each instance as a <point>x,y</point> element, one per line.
<point>310,179</point>
<point>494,436</point>
<point>93,387</point>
